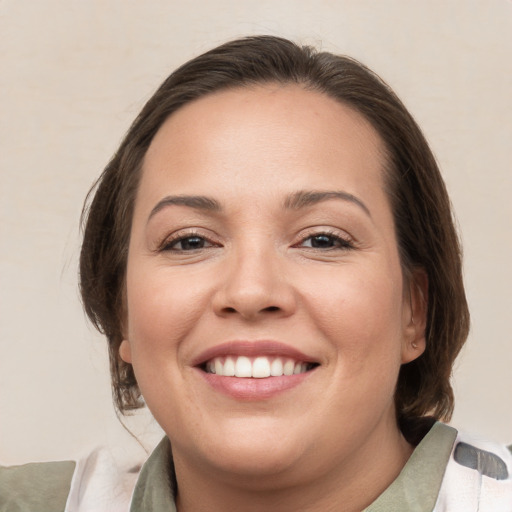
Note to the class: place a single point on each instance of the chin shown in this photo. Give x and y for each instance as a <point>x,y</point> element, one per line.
<point>252,448</point>
<point>263,467</point>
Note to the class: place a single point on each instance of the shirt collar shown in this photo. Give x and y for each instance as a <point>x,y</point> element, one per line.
<point>417,486</point>
<point>156,485</point>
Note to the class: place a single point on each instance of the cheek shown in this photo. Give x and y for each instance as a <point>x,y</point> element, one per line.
<point>163,308</point>
<point>162,311</point>
<point>362,317</point>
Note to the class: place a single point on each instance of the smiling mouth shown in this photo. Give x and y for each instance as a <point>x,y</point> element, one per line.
<point>259,367</point>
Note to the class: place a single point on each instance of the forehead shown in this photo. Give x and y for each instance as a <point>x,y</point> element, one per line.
<point>278,134</point>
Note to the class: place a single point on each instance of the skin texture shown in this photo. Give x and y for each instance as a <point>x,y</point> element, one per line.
<point>324,279</point>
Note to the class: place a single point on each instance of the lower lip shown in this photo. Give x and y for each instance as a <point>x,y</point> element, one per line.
<point>253,389</point>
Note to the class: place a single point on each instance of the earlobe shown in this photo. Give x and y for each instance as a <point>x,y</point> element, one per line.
<point>125,351</point>
<point>414,343</point>
<point>413,350</point>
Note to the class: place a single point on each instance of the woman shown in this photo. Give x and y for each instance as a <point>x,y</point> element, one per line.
<point>272,257</point>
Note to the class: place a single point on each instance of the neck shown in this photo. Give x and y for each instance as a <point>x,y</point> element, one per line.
<point>352,484</point>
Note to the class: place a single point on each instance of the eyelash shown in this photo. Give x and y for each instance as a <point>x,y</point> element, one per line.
<point>169,243</point>
<point>340,243</point>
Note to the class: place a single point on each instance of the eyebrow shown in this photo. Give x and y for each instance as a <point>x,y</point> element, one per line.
<point>295,201</point>
<point>196,202</point>
<point>305,198</point>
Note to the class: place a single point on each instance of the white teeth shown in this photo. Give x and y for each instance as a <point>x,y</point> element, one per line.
<point>276,368</point>
<point>288,368</point>
<point>259,367</point>
<point>243,367</point>
<point>229,367</point>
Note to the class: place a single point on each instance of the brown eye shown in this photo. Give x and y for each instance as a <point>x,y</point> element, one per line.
<point>187,243</point>
<point>325,241</point>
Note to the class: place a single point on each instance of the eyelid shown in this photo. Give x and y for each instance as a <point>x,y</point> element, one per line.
<point>347,241</point>
<point>183,234</point>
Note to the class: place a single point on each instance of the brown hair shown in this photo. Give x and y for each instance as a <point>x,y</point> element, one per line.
<point>425,229</point>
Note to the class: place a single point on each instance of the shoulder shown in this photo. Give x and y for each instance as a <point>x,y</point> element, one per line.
<point>41,487</point>
<point>101,481</point>
<point>478,476</point>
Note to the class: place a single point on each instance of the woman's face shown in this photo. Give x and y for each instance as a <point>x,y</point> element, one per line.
<point>263,244</point>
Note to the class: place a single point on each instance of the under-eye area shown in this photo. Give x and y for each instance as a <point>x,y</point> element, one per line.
<point>259,367</point>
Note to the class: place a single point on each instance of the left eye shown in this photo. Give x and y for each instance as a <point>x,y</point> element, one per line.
<point>187,243</point>
<point>325,241</point>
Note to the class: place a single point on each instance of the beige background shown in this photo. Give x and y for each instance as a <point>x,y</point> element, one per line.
<point>75,73</point>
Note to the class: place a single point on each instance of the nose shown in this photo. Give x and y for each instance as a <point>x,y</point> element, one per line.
<point>255,285</point>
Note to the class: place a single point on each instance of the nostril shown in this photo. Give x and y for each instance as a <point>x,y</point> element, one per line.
<point>272,308</point>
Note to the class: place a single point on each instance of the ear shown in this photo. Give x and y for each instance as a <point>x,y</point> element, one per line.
<point>415,315</point>
<point>125,351</point>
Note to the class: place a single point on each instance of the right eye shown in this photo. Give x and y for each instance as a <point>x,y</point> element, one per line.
<point>186,243</point>
<point>325,241</point>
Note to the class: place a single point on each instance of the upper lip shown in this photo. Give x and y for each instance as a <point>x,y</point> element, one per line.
<point>252,349</point>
